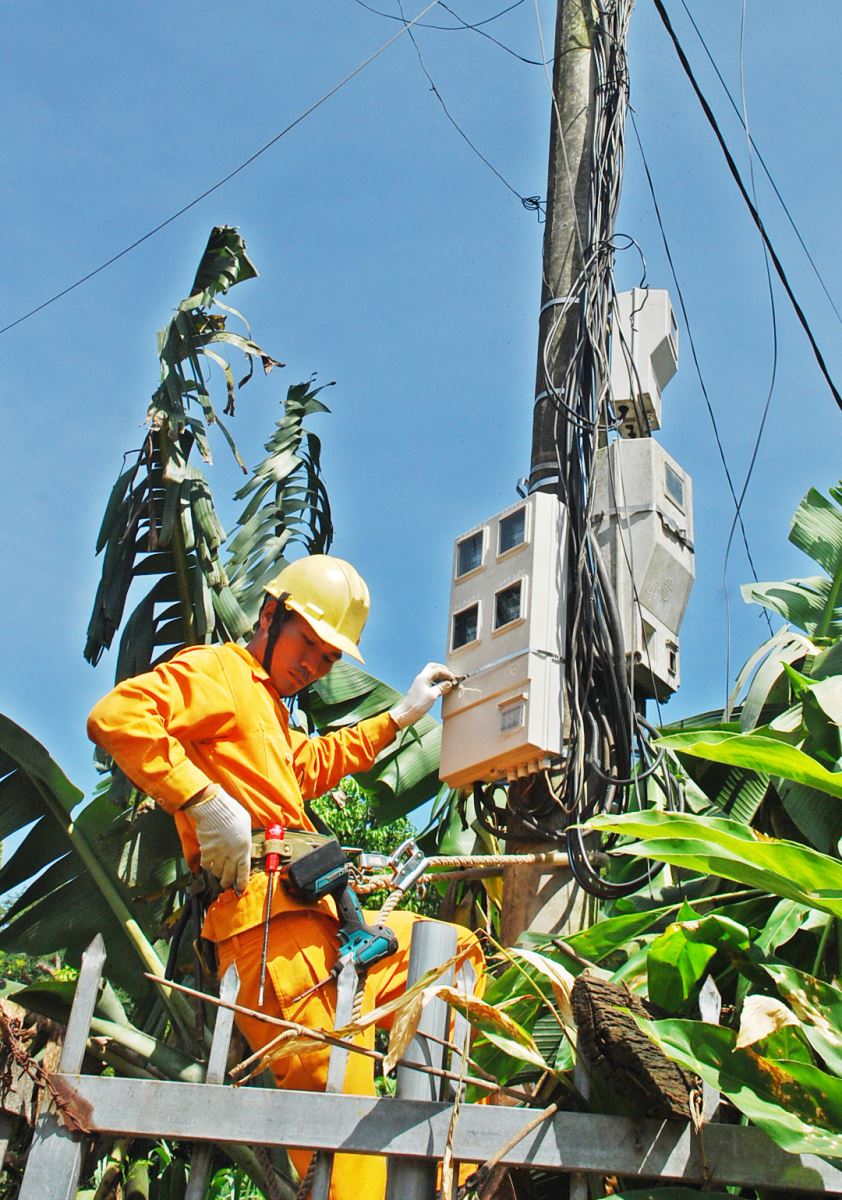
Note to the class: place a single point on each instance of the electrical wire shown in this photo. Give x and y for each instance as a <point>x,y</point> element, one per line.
<point>445,28</point>
<point>530,62</point>
<point>774,369</point>
<point>692,343</point>
<point>762,162</point>
<point>405,28</point>
<point>755,215</point>
<point>607,753</point>
<point>531,203</point>
<point>474,27</point>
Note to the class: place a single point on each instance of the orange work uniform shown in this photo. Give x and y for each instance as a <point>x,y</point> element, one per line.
<point>211,715</point>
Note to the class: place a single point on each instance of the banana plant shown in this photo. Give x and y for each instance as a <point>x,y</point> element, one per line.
<point>160,519</point>
<point>113,864</point>
<point>777,1057</point>
<point>784,750</point>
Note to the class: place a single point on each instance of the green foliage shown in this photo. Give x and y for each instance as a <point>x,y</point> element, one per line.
<point>160,519</point>
<point>232,1183</point>
<point>798,1105</point>
<point>785,754</point>
<point>21,968</point>
<point>287,502</point>
<point>776,1057</point>
<point>61,910</point>
<point>730,850</point>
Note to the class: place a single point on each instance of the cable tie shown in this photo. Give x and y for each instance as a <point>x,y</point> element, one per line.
<point>556,300</point>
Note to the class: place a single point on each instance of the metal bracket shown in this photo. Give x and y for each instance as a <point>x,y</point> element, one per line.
<point>408,862</point>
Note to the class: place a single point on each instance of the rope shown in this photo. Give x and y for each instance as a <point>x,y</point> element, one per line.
<point>307,1179</point>
<point>73,1112</point>
<point>391,902</point>
<point>458,862</point>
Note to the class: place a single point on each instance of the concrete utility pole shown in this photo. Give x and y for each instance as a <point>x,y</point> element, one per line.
<point>553,902</point>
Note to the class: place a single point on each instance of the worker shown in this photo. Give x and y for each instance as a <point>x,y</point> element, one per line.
<point>207,735</point>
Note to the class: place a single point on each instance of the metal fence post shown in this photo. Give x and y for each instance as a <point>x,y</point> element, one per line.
<point>200,1163</point>
<point>55,1157</point>
<point>432,944</point>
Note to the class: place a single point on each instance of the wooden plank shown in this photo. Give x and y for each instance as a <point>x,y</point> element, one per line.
<point>413,1128</point>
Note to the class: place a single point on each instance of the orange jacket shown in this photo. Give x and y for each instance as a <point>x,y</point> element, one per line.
<point>211,715</point>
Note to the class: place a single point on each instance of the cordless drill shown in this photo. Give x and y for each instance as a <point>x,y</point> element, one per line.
<point>324,872</point>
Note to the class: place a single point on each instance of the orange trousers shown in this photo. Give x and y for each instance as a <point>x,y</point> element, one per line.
<point>303,947</point>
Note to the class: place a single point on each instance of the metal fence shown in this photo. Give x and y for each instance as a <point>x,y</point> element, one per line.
<point>580,1144</point>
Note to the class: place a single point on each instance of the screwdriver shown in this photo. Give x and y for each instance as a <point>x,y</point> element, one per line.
<point>272,847</point>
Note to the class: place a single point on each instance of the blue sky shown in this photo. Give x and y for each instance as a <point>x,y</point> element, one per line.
<point>395,263</point>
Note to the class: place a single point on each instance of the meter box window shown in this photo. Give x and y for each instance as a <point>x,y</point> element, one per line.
<point>512,531</point>
<point>506,621</point>
<point>469,554</point>
<point>508,605</point>
<point>465,626</point>
<point>674,485</point>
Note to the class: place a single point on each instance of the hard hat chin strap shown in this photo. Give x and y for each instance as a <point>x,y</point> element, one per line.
<point>279,617</point>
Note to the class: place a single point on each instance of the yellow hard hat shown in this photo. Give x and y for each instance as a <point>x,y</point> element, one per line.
<point>331,597</point>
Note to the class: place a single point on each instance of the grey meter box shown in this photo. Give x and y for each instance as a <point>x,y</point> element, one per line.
<point>643,520</point>
<point>644,358</point>
<point>505,635</point>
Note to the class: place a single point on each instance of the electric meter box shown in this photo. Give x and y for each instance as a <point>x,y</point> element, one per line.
<point>643,521</point>
<point>644,358</point>
<point>505,635</point>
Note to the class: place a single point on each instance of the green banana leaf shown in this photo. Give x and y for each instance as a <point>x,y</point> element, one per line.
<point>816,529</point>
<point>98,871</point>
<point>669,1193</point>
<point>716,846</point>
<point>818,1005</point>
<point>757,752</point>
<point>797,1105</point>
<point>160,518</point>
<point>675,968</point>
<point>286,502</point>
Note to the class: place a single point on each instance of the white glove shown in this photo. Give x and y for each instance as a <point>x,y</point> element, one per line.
<point>434,681</point>
<point>223,830</point>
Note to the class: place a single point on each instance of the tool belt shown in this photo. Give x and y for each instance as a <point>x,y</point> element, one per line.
<point>311,865</point>
<point>296,843</point>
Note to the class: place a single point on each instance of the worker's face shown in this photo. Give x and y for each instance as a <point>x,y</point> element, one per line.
<point>300,656</point>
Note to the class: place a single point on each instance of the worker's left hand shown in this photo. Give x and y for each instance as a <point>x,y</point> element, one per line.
<point>434,681</point>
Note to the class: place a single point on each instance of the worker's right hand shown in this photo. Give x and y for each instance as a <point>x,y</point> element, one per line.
<point>434,681</point>
<point>223,830</point>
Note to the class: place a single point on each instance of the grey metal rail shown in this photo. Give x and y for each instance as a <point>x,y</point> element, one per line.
<point>404,1129</point>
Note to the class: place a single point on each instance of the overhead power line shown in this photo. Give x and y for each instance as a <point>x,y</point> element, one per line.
<point>687,325</point>
<point>472,26</point>
<point>762,162</point>
<point>444,28</point>
<point>226,178</point>
<point>761,428</point>
<point>755,216</point>
<point>530,203</point>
